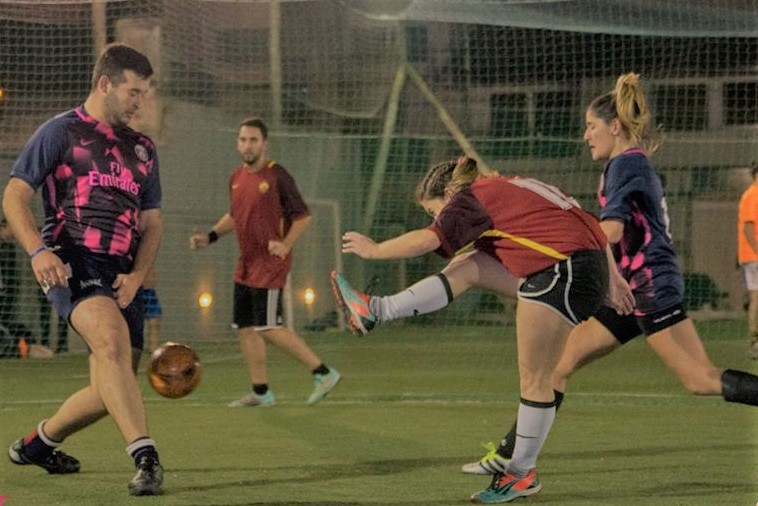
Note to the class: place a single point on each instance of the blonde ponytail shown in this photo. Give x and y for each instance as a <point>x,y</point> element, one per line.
<point>633,112</point>
<point>628,104</point>
<point>465,173</point>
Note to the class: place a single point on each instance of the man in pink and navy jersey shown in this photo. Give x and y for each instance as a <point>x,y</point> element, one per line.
<point>101,194</point>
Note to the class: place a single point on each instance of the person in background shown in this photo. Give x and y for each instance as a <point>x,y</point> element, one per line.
<point>153,309</point>
<point>747,255</point>
<point>16,339</point>
<point>46,312</point>
<point>10,279</point>
<point>268,214</point>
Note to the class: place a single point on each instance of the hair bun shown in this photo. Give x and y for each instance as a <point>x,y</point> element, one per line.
<point>630,78</point>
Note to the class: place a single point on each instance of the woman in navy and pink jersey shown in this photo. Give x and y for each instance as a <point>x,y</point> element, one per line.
<point>542,236</point>
<point>635,219</point>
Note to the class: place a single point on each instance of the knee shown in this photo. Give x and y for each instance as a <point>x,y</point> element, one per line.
<point>111,346</point>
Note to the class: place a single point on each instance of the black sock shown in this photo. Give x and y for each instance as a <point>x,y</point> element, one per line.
<point>260,389</point>
<point>37,446</point>
<point>321,369</point>
<point>508,443</point>
<point>141,448</point>
<point>558,399</point>
<point>738,386</point>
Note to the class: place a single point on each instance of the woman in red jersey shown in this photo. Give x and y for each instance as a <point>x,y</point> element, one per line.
<point>552,251</point>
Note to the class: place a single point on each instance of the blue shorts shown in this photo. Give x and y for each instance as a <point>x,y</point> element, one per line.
<point>658,306</point>
<point>91,275</point>
<point>152,305</point>
<point>626,327</point>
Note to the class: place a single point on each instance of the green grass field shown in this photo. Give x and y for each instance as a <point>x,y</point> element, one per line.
<point>414,405</point>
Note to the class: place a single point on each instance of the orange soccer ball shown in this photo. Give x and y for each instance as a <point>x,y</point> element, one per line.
<point>174,370</point>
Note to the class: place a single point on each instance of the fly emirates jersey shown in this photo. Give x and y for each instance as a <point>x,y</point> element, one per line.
<point>527,224</point>
<point>264,204</point>
<point>95,179</point>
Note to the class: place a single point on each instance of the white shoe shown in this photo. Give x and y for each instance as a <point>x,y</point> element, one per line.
<point>323,384</point>
<point>253,399</point>
<point>491,463</point>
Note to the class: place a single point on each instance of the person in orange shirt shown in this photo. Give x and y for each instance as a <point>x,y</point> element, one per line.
<point>747,256</point>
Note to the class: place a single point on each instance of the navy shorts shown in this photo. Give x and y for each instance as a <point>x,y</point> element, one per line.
<point>575,288</point>
<point>150,300</point>
<point>90,275</point>
<point>626,327</point>
<point>260,308</point>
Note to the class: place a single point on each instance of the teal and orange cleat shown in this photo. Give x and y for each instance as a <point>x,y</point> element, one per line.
<point>354,305</point>
<point>506,488</point>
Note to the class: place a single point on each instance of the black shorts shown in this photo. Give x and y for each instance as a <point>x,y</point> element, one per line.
<point>90,275</point>
<point>575,288</point>
<point>626,327</point>
<point>260,308</point>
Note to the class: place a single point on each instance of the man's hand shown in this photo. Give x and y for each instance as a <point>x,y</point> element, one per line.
<point>199,241</point>
<point>278,249</point>
<point>49,269</point>
<point>126,286</point>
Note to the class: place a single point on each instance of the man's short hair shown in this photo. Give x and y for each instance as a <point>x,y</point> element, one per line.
<point>257,123</point>
<point>754,170</point>
<point>115,59</point>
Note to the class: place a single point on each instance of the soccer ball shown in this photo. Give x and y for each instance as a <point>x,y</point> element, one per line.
<point>174,370</point>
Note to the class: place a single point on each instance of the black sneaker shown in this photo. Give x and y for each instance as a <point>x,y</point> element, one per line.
<point>149,478</point>
<point>55,463</point>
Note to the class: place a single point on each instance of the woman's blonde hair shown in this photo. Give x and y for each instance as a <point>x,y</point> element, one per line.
<point>628,104</point>
<point>448,178</point>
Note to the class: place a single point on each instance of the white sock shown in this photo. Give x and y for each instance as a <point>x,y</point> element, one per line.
<point>428,295</point>
<point>533,426</point>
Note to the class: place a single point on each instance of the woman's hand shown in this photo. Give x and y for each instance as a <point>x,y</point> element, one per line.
<point>359,244</point>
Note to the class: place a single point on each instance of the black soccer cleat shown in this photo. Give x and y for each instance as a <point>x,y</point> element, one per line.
<point>149,478</point>
<point>55,463</point>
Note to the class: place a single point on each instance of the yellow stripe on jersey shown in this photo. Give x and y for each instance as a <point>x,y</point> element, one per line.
<point>545,250</point>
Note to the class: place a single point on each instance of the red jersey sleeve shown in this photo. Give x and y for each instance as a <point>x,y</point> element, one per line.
<point>460,223</point>
<point>293,204</point>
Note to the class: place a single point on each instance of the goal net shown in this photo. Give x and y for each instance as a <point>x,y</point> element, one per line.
<point>362,96</point>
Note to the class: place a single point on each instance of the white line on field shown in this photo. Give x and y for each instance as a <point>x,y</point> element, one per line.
<point>366,400</point>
